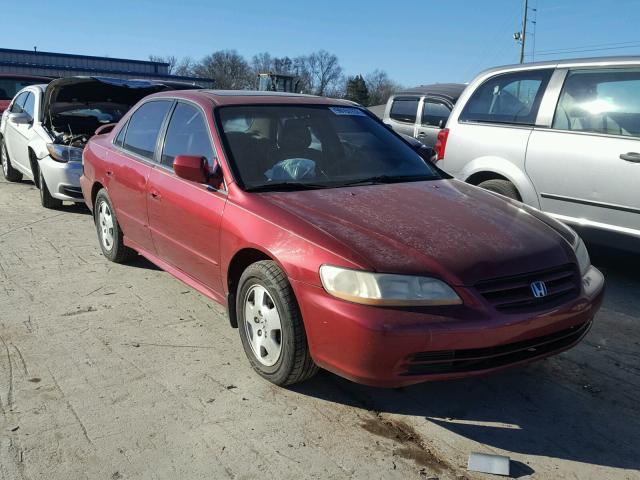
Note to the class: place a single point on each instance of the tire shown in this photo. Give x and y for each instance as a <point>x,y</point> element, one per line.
<point>10,174</point>
<point>288,360</point>
<point>109,233</point>
<point>46,199</point>
<point>503,187</point>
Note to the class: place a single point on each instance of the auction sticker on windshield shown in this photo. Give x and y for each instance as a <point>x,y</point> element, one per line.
<point>348,111</point>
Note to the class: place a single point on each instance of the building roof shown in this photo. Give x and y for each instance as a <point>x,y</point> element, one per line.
<point>85,57</point>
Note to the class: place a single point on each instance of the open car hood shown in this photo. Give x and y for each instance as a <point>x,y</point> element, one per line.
<point>72,91</point>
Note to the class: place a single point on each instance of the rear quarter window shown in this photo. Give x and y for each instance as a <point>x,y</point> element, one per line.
<point>404,109</point>
<point>512,98</point>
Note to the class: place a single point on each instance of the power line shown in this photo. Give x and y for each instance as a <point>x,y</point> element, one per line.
<point>555,52</point>
<point>597,45</point>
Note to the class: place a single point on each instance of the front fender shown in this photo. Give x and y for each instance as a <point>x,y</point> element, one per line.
<point>506,169</point>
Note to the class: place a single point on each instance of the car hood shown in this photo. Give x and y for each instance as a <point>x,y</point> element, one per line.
<point>90,90</point>
<point>445,228</point>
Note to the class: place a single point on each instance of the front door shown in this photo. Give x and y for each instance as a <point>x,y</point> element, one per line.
<point>586,167</point>
<point>17,135</point>
<point>185,216</point>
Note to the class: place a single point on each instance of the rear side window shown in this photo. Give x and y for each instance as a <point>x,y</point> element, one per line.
<point>435,113</point>
<point>510,98</point>
<point>187,134</point>
<point>600,101</point>
<point>404,109</point>
<point>144,126</point>
<point>16,106</point>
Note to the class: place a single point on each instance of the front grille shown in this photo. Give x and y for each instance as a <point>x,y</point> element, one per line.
<point>514,294</point>
<point>469,360</point>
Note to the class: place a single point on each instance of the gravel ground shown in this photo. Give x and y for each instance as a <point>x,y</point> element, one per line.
<point>119,372</point>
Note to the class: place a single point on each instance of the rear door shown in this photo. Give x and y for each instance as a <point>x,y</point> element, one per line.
<point>435,113</point>
<point>185,216</point>
<point>403,114</point>
<point>586,165</point>
<point>130,164</point>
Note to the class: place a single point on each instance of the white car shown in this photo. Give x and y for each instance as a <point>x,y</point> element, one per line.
<point>45,129</point>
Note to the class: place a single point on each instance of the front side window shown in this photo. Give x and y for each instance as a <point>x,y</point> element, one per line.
<point>16,106</point>
<point>30,105</point>
<point>187,134</point>
<point>144,126</point>
<point>404,109</point>
<point>120,138</point>
<point>510,98</point>
<point>314,146</point>
<point>435,114</point>
<point>600,101</point>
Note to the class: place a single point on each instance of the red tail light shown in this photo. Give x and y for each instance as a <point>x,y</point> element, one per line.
<point>441,143</point>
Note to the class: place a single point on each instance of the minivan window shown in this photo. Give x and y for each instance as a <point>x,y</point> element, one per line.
<point>600,101</point>
<point>512,98</point>
<point>16,107</point>
<point>144,126</point>
<point>404,109</point>
<point>29,105</point>
<point>435,113</point>
<point>187,134</point>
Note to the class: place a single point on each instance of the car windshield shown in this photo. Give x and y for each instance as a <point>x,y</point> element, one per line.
<point>315,146</point>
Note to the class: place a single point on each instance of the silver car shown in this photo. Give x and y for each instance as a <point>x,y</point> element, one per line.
<point>561,136</point>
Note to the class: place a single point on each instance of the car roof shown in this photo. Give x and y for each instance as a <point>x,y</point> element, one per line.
<point>252,97</point>
<point>451,91</point>
<point>568,62</point>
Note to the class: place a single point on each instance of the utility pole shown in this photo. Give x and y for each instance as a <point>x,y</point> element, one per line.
<point>524,30</point>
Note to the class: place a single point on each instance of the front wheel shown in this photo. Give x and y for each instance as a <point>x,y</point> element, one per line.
<point>46,199</point>
<point>109,232</point>
<point>10,174</point>
<point>271,327</point>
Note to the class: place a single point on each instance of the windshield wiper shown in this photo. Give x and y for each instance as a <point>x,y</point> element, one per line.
<point>285,186</point>
<point>380,179</point>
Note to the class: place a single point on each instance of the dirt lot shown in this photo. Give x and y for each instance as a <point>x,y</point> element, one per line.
<point>121,372</point>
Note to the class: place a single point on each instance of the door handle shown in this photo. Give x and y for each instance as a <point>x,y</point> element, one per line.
<point>422,134</point>
<point>631,157</point>
<point>155,195</point>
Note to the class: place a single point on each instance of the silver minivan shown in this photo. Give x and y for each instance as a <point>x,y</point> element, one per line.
<point>562,136</point>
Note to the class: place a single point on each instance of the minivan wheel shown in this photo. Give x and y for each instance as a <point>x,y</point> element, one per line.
<point>271,327</point>
<point>503,187</point>
<point>46,199</point>
<point>9,173</point>
<point>109,232</point>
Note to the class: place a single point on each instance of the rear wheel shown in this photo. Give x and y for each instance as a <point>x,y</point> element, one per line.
<point>271,327</point>
<point>109,232</point>
<point>503,187</point>
<point>46,199</point>
<point>9,173</point>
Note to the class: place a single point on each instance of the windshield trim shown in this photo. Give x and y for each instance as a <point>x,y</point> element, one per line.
<point>231,164</point>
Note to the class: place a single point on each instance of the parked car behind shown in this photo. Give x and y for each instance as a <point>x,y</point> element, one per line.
<point>10,84</point>
<point>332,243</point>
<point>45,129</point>
<point>422,111</point>
<point>561,136</point>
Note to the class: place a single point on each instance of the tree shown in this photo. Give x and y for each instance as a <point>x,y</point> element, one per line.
<point>320,72</point>
<point>381,87</point>
<point>228,68</point>
<point>357,90</point>
<point>185,67</point>
<point>170,59</point>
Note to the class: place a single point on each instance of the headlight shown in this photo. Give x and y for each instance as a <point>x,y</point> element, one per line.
<point>63,153</point>
<point>584,262</point>
<point>386,289</point>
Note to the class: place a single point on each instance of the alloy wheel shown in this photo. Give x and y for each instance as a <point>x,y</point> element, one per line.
<point>262,325</point>
<point>105,221</point>
<point>3,158</point>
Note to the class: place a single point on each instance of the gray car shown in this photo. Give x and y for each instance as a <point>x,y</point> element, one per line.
<point>422,111</point>
<point>561,136</point>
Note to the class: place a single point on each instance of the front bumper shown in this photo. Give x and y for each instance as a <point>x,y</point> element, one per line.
<point>392,347</point>
<point>63,179</point>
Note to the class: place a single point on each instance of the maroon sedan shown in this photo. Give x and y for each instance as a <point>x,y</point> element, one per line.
<point>332,243</point>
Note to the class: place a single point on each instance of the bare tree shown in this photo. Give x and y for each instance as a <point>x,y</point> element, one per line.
<point>228,68</point>
<point>321,72</point>
<point>380,86</point>
<point>262,63</point>
<point>170,59</point>
<point>185,67</point>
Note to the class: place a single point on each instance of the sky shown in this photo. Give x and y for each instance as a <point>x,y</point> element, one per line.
<point>414,41</point>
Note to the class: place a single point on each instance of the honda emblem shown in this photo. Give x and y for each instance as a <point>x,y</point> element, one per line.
<point>539,289</point>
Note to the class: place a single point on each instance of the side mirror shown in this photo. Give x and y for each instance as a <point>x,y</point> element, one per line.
<point>191,167</point>
<point>21,118</point>
<point>104,128</point>
<point>425,152</point>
